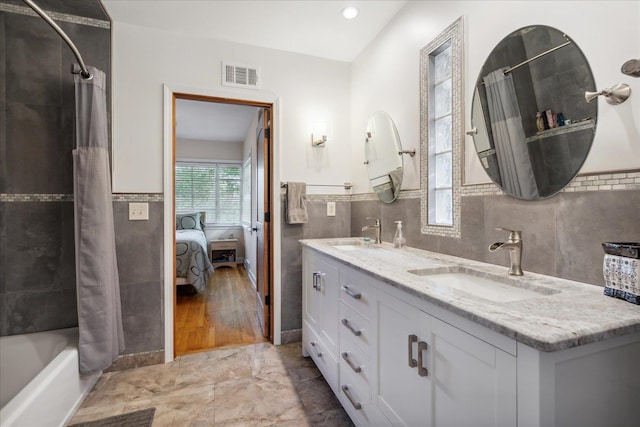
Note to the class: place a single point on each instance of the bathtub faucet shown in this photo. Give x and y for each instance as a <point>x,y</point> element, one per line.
<point>514,246</point>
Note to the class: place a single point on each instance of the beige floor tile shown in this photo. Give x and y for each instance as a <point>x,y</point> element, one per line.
<point>255,385</point>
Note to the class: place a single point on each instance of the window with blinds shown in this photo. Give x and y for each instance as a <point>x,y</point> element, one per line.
<point>211,187</point>
<point>246,192</point>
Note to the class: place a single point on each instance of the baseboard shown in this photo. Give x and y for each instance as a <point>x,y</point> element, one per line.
<point>287,337</point>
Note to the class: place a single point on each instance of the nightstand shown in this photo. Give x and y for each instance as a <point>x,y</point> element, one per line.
<point>223,252</point>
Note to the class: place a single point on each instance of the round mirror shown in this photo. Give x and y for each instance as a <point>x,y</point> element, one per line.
<point>533,125</point>
<point>383,157</point>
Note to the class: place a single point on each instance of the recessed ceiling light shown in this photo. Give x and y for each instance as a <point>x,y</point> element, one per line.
<point>350,12</point>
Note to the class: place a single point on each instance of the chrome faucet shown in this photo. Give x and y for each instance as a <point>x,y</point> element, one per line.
<point>514,245</point>
<point>376,226</point>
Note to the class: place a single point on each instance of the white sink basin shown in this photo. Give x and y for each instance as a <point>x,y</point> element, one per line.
<point>467,284</point>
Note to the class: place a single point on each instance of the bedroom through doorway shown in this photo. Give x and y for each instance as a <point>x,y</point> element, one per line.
<point>221,177</point>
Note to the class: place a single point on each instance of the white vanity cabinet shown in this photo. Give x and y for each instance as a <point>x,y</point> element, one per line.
<point>431,373</point>
<point>394,355</point>
<point>320,289</point>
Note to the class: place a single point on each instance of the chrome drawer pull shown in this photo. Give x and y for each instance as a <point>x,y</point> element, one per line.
<point>351,293</point>
<point>422,371</point>
<point>352,365</point>
<point>411,361</point>
<point>357,333</point>
<point>314,345</point>
<point>356,405</point>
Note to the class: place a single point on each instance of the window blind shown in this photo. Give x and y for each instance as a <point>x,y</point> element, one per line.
<point>211,187</point>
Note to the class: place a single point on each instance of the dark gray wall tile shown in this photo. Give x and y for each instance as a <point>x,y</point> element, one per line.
<point>37,113</point>
<point>585,221</point>
<point>139,248</point>
<point>291,301</point>
<point>38,156</point>
<point>139,244</point>
<point>34,54</point>
<point>142,318</point>
<point>41,310</point>
<point>536,220</point>
<point>562,235</point>
<point>36,254</point>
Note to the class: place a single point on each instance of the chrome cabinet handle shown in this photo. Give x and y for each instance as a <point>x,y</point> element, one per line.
<point>317,277</point>
<point>351,292</point>
<point>422,371</point>
<point>357,333</point>
<point>352,365</point>
<point>314,345</point>
<point>410,360</point>
<point>356,405</point>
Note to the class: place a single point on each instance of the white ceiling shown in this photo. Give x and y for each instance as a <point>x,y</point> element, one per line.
<point>212,121</point>
<point>308,27</point>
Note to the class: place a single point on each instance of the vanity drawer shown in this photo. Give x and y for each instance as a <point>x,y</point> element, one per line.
<point>355,329</point>
<point>357,291</point>
<point>358,404</point>
<point>323,359</point>
<point>355,366</point>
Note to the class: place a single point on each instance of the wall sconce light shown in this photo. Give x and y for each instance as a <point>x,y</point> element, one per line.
<point>614,95</point>
<point>318,140</point>
<point>319,132</point>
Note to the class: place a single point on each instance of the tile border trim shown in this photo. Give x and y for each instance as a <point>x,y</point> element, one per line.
<point>63,17</point>
<point>39,197</point>
<point>612,181</point>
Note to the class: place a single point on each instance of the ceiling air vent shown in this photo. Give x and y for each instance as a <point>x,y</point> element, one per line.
<point>239,75</point>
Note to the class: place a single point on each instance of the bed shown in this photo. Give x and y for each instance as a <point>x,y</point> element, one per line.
<point>193,266</point>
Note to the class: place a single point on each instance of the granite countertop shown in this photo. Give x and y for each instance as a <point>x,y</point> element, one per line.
<point>560,315</point>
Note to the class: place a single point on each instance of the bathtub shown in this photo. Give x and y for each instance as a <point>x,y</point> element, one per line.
<point>39,380</point>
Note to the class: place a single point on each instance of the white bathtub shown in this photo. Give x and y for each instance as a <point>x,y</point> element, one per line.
<point>39,380</point>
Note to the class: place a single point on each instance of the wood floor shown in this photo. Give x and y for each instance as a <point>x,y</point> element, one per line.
<point>223,315</point>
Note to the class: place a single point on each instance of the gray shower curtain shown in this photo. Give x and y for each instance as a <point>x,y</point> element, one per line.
<point>508,136</point>
<point>98,287</point>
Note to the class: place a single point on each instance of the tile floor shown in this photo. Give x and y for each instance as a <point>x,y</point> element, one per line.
<point>254,385</point>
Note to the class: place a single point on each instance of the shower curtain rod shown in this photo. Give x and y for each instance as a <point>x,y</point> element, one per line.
<point>85,71</point>
<point>553,49</point>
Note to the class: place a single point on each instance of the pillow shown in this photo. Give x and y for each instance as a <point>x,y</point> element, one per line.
<point>190,221</point>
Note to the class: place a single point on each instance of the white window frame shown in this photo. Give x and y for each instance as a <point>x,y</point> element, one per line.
<point>212,219</point>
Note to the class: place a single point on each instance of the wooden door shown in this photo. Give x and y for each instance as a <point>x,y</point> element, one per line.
<point>263,232</point>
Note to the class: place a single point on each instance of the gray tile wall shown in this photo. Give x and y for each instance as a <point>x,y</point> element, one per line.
<point>562,235</point>
<point>37,267</point>
<point>139,248</point>
<point>318,226</point>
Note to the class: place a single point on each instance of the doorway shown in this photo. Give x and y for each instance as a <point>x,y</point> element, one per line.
<point>235,307</point>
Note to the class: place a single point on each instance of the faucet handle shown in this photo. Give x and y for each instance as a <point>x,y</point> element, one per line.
<point>513,234</point>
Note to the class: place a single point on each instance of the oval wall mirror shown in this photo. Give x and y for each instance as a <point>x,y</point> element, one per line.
<point>533,126</point>
<point>383,157</point>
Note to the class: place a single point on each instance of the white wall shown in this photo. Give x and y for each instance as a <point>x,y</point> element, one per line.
<point>310,89</point>
<point>191,149</point>
<point>385,75</point>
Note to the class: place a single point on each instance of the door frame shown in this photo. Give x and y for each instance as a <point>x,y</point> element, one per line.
<point>258,97</point>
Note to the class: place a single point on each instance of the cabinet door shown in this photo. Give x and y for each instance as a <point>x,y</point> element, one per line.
<point>402,395</point>
<point>311,292</point>
<point>329,281</point>
<point>473,382</point>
